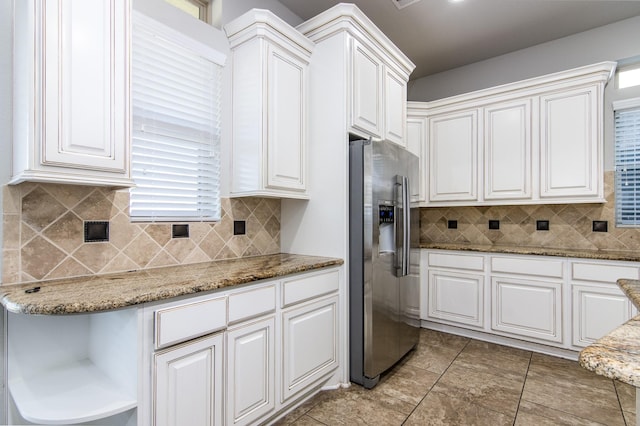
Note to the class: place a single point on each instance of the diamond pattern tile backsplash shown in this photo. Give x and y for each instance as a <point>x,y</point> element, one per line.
<point>44,233</point>
<point>570,225</point>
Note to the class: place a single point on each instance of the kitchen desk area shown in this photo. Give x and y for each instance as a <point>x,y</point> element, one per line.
<point>172,345</point>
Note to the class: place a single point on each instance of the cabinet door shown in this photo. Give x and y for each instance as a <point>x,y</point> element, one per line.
<point>507,150</point>
<point>453,156</point>
<point>570,144</point>
<point>456,297</point>
<point>416,143</point>
<point>597,310</point>
<point>188,383</point>
<point>250,372</point>
<point>310,344</point>
<point>366,91</point>
<point>395,107</point>
<point>85,92</point>
<point>286,127</point>
<point>527,308</point>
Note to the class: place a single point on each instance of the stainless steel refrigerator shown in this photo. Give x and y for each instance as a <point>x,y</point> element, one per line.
<point>383,230</point>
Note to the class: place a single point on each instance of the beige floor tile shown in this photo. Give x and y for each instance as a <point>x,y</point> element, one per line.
<point>302,409</point>
<point>494,359</point>
<point>432,358</point>
<point>491,391</point>
<point>629,417</point>
<point>573,397</point>
<point>442,409</point>
<point>530,414</point>
<point>626,396</point>
<point>407,383</point>
<point>564,370</point>
<point>307,421</point>
<point>358,406</point>
<point>443,340</point>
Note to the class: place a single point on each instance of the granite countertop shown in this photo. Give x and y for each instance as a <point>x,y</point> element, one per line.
<point>617,355</point>
<point>540,251</point>
<point>114,291</point>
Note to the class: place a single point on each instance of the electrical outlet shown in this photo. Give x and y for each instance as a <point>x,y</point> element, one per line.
<point>542,225</point>
<point>494,224</point>
<point>239,227</point>
<point>96,231</point>
<point>180,230</point>
<point>452,224</point>
<point>600,226</point>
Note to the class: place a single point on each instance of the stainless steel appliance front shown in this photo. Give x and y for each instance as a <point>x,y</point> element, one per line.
<point>383,229</point>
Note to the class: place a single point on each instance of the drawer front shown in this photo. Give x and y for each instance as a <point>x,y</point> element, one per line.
<point>537,267</point>
<point>307,287</point>
<point>252,303</point>
<point>184,322</point>
<point>601,272</point>
<point>457,261</point>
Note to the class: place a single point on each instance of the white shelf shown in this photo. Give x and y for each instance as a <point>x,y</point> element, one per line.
<point>73,394</point>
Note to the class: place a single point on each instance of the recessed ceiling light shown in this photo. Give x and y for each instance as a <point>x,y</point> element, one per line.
<point>456,1</point>
<point>401,4</point>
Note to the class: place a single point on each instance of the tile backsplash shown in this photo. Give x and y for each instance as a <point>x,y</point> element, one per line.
<point>570,225</point>
<point>44,233</point>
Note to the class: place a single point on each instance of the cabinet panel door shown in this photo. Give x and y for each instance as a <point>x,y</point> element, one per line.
<point>416,144</point>
<point>597,310</point>
<point>250,372</point>
<point>310,344</point>
<point>453,156</point>
<point>507,150</point>
<point>366,87</point>
<point>570,145</point>
<point>456,297</point>
<point>86,80</point>
<point>527,308</point>
<point>286,120</point>
<point>395,107</point>
<point>188,383</point>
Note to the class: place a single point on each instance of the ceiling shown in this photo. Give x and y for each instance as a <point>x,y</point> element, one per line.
<point>438,35</point>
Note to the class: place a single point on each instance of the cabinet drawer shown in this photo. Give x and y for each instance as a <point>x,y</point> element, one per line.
<point>184,322</point>
<point>457,261</point>
<point>252,303</point>
<point>307,287</point>
<point>602,272</point>
<point>537,267</point>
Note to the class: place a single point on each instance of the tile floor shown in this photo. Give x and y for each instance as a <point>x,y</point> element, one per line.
<point>453,380</point>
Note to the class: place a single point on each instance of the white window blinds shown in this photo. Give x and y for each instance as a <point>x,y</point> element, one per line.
<point>627,158</point>
<point>175,158</point>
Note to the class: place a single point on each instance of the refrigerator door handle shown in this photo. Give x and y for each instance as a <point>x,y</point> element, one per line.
<point>402,252</point>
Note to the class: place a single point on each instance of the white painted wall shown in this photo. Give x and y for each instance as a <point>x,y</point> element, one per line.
<point>227,10</point>
<point>613,42</point>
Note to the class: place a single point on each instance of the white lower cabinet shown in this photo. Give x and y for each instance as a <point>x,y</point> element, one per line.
<point>527,308</point>
<point>310,351</point>
<point>241,356</point>
<point>456,297</point>
<point>566,303</point>
<point>188,383</point>
<point>250,371</point>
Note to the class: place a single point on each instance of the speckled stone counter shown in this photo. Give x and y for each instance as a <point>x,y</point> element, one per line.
<point>115,291</point>
<point>617,355</point>
<point>633,256</point>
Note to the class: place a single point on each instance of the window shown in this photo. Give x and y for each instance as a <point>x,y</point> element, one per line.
<point>175,96</point>
<point>627,159</point>
<point>195,8</point>
<point>629,77</point>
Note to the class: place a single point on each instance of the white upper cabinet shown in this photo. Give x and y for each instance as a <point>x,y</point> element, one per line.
<point>453,156</point>
<point>537,141</point>
<point>416,144</point>
<point>270,61</point>
<point>507,150</point>
<point>366,83</point>
<point>570,146</point>
<point>71,92</point>
<point>377,71</point>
